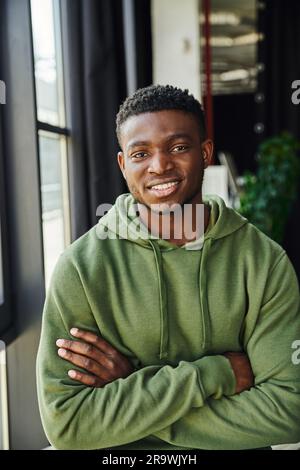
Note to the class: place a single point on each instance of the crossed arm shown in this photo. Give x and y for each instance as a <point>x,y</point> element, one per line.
<point>103,363</point>
<point>193,405</point>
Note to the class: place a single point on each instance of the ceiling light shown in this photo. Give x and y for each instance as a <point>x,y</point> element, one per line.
<point>222,18</point>
<point>227,41</point>
<point>238,74</point>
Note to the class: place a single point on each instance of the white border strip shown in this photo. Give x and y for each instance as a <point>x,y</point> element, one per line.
<point>4,445</point>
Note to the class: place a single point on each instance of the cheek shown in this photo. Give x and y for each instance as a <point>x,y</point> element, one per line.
<point>134,182</point>
<point>194,168</point>
<point>135,177</point>
<point>196,173</point>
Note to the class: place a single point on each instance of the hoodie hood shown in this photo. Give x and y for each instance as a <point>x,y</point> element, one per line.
<point>122,221</point>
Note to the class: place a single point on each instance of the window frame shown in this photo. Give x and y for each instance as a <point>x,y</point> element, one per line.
<point>58,130</point>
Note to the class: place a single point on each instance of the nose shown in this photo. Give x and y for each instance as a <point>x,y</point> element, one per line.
<point>160,163</point>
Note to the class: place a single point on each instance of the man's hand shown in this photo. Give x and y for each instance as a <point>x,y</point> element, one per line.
<point>242,369</point>
<point>103,362</point>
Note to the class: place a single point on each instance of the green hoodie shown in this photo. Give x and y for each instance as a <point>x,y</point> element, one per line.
<point>174,312</point>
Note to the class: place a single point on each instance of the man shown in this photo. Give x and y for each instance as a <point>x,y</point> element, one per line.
<point>178,342</point>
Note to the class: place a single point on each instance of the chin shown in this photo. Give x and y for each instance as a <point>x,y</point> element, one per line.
<point>165,207</point>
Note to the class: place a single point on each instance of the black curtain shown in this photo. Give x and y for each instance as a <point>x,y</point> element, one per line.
<point>235,135</point>
<point>98,86</point>
<point>143,40</point>
<point>279,56</point>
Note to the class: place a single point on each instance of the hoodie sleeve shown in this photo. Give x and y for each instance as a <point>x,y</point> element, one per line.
<point>78,417</point>
<point>268,413</point>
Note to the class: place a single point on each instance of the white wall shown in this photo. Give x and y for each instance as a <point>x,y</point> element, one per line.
<point>176,44</point>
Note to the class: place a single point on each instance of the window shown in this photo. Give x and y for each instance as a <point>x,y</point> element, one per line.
<point>52,131</point>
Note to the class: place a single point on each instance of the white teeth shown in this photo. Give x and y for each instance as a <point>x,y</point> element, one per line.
<point>165,186</point>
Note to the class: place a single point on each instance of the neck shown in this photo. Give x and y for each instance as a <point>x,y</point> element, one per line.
<point>184,224</point>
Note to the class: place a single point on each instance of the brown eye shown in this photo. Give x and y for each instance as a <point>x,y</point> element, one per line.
<point>179,148</point>
<point>139,155</point>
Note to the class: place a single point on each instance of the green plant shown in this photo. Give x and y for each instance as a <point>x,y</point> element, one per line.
<point>267,197</point>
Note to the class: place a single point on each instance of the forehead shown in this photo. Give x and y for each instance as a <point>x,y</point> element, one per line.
<point>155,126</point>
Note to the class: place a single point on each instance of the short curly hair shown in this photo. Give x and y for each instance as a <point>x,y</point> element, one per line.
<point>159,98</point>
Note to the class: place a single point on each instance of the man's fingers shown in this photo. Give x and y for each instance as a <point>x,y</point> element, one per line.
<point>84,363</point>
<point>95,355</point>
<point>86,379</point>
<point>95,340</point>
<point>85,349</point>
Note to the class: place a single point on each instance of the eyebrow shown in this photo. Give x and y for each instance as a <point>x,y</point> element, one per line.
<point>140,143</point>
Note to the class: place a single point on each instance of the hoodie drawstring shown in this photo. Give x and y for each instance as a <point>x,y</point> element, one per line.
<point>164,329</point>
<point>203,295</point>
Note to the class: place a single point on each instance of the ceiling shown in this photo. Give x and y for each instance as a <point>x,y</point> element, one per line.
<point>233,44</point>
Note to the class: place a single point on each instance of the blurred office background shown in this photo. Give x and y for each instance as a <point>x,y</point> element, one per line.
<point>67,66</point>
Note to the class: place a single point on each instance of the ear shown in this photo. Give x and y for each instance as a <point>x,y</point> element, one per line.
<point>121,163</point>
<point>207,152</point>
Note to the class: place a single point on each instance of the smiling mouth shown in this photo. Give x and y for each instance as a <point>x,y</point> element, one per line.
<point>164,189</point>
